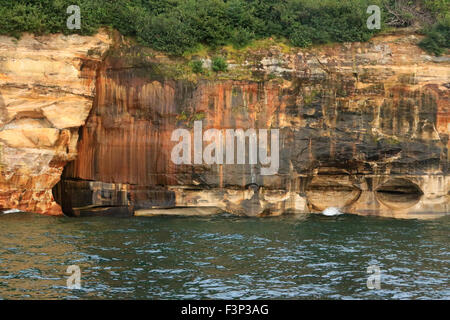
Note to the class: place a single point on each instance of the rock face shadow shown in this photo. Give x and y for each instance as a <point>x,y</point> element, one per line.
<point>399,193</point>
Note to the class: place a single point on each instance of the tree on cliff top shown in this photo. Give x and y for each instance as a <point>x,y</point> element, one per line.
<point>175,26</point>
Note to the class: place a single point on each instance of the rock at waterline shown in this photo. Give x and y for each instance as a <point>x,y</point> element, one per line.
<point>178,211</point>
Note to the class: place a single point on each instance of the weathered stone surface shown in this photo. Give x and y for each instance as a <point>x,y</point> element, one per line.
<point>47,85</point>
<point>363,127</point>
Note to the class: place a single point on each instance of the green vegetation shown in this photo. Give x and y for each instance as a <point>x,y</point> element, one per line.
<point>188,117</point>
<point>438,38</point>
<point>180,26</point>
<point>197,66</point>
<point>440,7</point>
<point>219,64</point>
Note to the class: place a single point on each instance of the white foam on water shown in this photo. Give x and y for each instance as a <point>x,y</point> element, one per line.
<point>331,211</point>
<point>10,211</point>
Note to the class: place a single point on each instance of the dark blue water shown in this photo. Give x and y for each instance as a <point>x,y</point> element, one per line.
<point>224,257</point>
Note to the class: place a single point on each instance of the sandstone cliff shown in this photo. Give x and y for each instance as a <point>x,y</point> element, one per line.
<point>363,127</point>
<point>46,91</point>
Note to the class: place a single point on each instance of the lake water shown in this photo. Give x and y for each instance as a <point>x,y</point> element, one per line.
<point>223,257</point>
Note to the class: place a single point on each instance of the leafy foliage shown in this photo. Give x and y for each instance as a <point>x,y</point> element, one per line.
<point>197,66</point>
<point>438,7</point>
<point>219,64</point>
<point>177,26</point>
<point>438,38</point>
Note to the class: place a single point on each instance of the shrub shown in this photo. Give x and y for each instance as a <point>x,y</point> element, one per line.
<point>197,66</point>
<point>241,37</point>
<point>301,36</point>
<point>438,7</point>
<point>219,64</point>
<point>208,21</point>
<point>165,32</point>
<point>438,38</point>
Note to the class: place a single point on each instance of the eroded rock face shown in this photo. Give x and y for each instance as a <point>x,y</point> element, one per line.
<point>47,85</point>
<point>363,127</point>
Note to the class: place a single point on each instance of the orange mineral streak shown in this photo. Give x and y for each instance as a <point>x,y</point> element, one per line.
<point>127,138</point>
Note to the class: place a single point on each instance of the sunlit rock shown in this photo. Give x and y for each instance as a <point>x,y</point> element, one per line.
<point>47,85</point>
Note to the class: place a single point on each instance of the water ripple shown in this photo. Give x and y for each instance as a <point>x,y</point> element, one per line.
<point>223,257</point>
